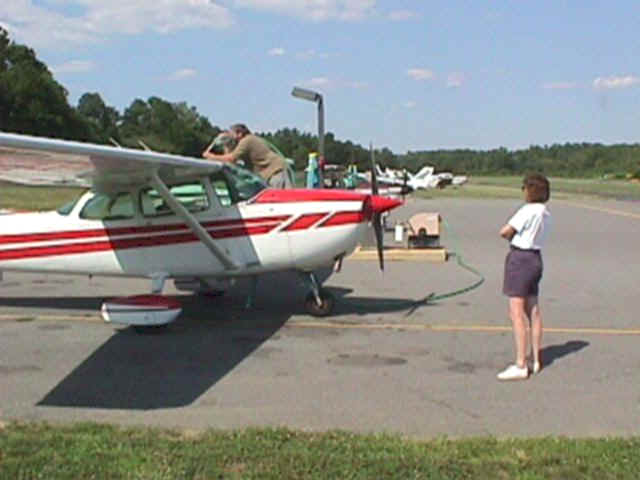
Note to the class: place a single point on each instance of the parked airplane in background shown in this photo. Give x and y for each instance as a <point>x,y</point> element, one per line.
<point>425,178</point>
<point>197,222</point>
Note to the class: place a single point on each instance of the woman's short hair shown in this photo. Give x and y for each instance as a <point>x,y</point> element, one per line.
<point>537,187</point>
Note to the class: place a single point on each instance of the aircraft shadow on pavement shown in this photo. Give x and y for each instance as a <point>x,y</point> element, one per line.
<point>54,303</point>
<point>552,353</point>
<point>164,370</point>
<point>175,367</point>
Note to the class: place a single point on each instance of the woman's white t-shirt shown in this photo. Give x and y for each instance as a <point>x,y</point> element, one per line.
<point>532,223</point>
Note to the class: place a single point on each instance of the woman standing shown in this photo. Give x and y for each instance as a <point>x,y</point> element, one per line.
<point>526,232</point>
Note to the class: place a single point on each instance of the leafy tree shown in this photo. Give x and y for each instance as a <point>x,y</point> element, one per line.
<point>102,119</point>
<point>31,100</point>
<point>167,127</point>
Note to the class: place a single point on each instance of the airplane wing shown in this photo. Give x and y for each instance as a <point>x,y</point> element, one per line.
<point>37,160</point>
<point>44,161</point>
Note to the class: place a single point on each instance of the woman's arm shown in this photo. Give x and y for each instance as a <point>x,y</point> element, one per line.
<point>507,231</point>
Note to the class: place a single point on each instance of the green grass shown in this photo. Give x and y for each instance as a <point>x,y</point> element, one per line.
<point>84,451</point>
<point>48,198</point>
<point>509,187</point>
<point>20,197</point>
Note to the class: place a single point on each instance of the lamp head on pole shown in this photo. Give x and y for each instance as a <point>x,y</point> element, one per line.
<point>306,94</point>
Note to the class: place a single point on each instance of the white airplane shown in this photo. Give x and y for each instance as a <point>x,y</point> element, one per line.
<point>389,176</point>
<point>194,221</point>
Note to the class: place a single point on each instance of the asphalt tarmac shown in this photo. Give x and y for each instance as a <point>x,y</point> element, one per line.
<point>387,361</point>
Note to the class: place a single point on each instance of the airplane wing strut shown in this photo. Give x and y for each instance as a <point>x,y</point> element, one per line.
<point>191,221</point>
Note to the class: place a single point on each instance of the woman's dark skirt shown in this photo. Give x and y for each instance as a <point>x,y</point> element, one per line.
<point>522,273</point>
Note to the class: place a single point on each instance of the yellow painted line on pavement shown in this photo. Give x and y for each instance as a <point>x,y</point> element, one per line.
<point>458,328</point>
<point>611,211</point>
<point>26,317</point>
<point>365,326</point>
<point>399,254</point>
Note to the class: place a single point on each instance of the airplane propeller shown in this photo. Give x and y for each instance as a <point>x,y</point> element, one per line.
<point>377,216</point>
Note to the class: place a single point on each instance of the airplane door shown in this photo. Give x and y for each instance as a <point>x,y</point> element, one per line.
<point>249,232</point>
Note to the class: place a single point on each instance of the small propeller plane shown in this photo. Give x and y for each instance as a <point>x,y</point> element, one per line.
<point>160,216</point>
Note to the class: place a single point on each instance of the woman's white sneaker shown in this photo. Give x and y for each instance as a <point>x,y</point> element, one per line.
<point>514,372</point>
<point>536,367</point>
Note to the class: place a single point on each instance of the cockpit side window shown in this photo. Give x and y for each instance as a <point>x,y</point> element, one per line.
<point>221,187</point>
<point>192,195</point>
<point>108,207</point>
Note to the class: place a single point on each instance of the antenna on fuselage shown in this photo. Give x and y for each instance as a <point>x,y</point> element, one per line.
<point>144,145</point>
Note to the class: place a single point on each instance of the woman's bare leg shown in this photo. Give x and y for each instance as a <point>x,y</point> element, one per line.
<point>534,314</point>
<point>519,320</point>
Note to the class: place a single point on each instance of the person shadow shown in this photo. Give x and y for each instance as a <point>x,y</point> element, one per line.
<point>553,352</point>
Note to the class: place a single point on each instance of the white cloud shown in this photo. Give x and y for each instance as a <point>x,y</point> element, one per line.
<point>559,85</point>
<point>608,83</point>
<point>420,73</point>
<point>70,22</point>
<point>319,82</point>
<point>73,66</point>
<point>183,74</point>
<point>401,15</point>
<point>314,10</point>
<point>63,23</point>
<point>276,52</point>
<point>455,80</point>
<point>409,104</point>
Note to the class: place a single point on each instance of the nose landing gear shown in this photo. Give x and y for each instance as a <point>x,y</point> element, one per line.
<point>319,301</point>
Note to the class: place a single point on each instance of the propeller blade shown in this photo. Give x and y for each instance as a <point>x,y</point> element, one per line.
<point>377,217</point>
<point>405,178</point>
<point>377,228</point>
<point>374,177</point>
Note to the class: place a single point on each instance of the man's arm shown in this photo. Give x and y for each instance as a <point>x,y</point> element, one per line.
<point>222,157</point>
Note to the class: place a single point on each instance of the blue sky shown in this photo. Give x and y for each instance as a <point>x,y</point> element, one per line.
<point>404,74</point>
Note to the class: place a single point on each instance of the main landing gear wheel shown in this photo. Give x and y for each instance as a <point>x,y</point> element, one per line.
<point>323,309</point>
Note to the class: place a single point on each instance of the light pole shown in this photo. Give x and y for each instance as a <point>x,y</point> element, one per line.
<point>315,97</point>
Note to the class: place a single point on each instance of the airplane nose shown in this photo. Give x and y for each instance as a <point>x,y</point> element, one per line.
<point>382,204</point>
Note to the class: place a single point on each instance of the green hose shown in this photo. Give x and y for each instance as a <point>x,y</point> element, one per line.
<point>413,305</point>
<point>462,264</point>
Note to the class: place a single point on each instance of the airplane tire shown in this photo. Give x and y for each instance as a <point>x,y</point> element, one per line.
<point>322,310</point>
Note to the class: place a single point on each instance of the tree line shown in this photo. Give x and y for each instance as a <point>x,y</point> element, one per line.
<point>33,102</point>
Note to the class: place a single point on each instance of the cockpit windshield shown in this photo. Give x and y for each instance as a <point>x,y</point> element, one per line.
<point>233,184</point>
<point>68,207</point>
<point>246,183</point>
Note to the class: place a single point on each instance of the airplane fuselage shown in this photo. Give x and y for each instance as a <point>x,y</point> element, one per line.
<point>259,236</point>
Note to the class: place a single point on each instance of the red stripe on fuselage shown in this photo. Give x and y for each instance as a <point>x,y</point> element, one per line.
<point>304,222</point>
<point>118,231</point>
<point>343,218</point>
<point>249,227</point>
<point>125,243</point>
<point>296,195</point>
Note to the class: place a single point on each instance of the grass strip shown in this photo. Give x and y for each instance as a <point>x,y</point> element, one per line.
<point>565,188</point>
<point>102,451</point>
<point>20,197</point>
<point>35,198</point>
